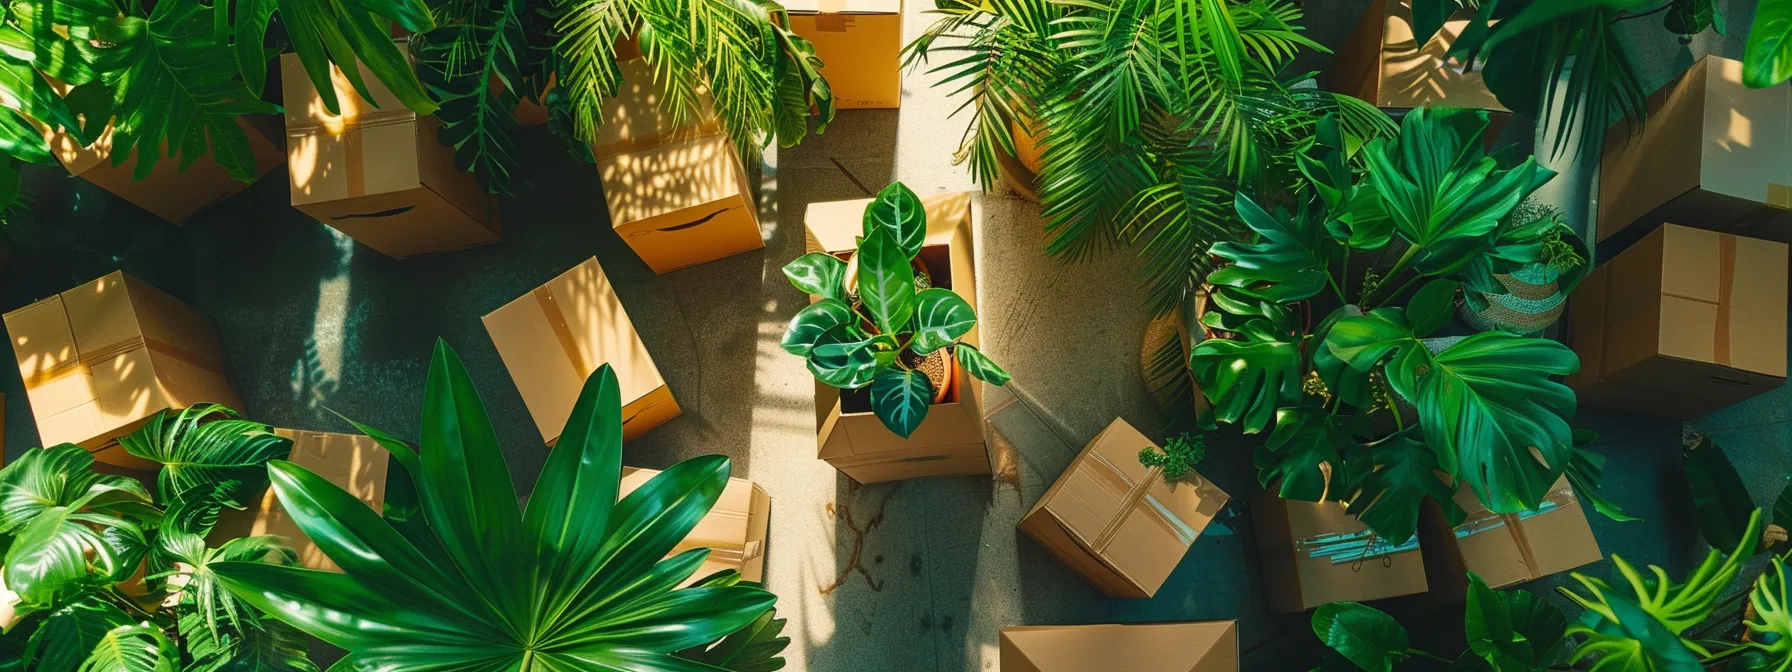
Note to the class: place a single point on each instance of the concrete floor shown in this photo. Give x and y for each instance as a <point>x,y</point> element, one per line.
<point>905,577</point>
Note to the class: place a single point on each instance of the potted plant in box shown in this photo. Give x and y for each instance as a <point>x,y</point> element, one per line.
<point>880,326</point>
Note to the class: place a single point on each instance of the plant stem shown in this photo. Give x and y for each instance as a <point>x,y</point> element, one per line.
<point>1621,16</point>
<point>1403,286</point>
<point>1424,654</point>
<point>1395,272</point>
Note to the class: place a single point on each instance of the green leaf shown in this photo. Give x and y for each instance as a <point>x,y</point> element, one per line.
<point>336,36</point>
<point>133,648</point>
<point>1438,186</point>
<point>1719,498</point>
<point>977,364</point>
<point>581,582</point>
<point>265,645</point>
<point>1514,630</point>
<point>1364,635</point>
<point>1343,381</point>
<point>818,273</point>
<point>754,648</point>
<point>844,358</point>
<point>205,445</point>
<point>1308,444</point>
<point>200,589</point>
<point>1691,17</point>
<point>1432,306</point>
<point>941,317</point>
<point>1428,17</point>
<point>898,210</point>
<point>1247,380</point>
<point>886,281</point>
<point>1771,627</point>
<point>813,322</point>
<point>1288,263</point>
<point>1364,341</point>
<point>475,67</point>
<point>1767,57</point>
<point>1586,471</point>
<point>1401,475</point>
<point>900,399</point>
<point>70,632</point>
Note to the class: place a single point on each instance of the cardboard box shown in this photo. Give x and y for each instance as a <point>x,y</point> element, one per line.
<point>1314,553</point>
<point>1210,646</point>
<point>354,462</point>
<point>1508,549</point>
<point>1715,155</point>
<point>860,46</point>
<point>555,337</point>
<point>734,530</point>
<point>168,192</point>
<point>949,442</point>
<point>683,204</point>
<point>1684,322</point>
<point>1382,63</point>
<point>1116,521</point>
<point>101,358</point>
<point>377,173</point>
<point>633,120</point>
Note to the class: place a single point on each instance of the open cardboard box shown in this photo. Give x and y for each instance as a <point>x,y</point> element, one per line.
<point>1207,646</point>
<point>1315,553</point>
<point>949,441</point>
<point>377,173</point>
<point>859,43</point>
<point>734,530</point>
<point>353,462</point>
<point>1116,521</point>
<point>1383,64</point>
<point>100,359</point>
<point>556,336</point>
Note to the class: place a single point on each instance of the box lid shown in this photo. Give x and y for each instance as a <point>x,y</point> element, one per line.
<point>1336,557</point>
<point>1723,299</point>
<point>835,226</point>
<point>666,179</point>
<point>844,6</point>
<point>369,148</point>
<point>1157,647</point>
<point>556,336</point>
<point>1124,513</point>
<point>634,120</point>
<point>1505,549</point>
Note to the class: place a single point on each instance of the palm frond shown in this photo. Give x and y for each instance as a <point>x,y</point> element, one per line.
<point>474,66</point>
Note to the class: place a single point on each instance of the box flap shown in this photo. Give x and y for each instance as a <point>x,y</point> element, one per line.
<point>1512,548</point>
<point>703,174</point>
<point>835,226</point>
<point>367,149</point>
<point>553,338</point>
<point>1210,646</point>
<point>844,6</point>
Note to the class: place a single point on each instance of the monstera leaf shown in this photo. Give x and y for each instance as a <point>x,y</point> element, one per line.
<point>575,580</point>
<point>1767,58</point>
<point>53,512</point>
<point>1304,452</point>
<point>205,445</point>
<point>70,632</point>
<point>1288,261</point>
<point>1400,475</point>
<point>1513,630</point>
<point>1247,380</point>
<point>1586,470</point>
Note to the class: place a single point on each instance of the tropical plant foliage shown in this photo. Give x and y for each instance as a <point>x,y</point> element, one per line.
<point>1388,236</point>
<point>112,577</point>
<point>455,576</point>
<point>1151,114</point>
<point>873,332</point>
<point>1767,58</point>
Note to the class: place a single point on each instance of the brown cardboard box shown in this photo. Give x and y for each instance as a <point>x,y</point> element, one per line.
<point>1508,549</point>
<point>860,46</point>
<point>1382,64</point>
<point>376,172</point>
<point>1314,553</point>
<point>353,462</point>
<point>1210,646</point>
<point>168,192</point>
<point>1116,521</point>
<point>949,442</point>
<point>555,337</point>
<point>1684,322</point>
<point>734,530</point>
<point>101,358</point>
<point>683,204</point>
<point>633,120</point>
<point>1715,155</point>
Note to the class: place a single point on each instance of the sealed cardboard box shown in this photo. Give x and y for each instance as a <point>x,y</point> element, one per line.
<point>1508,549</point>
<point>634,120</point>
<point>353,462</point>
<point>1383,64</point>
<point>1209,646</point>
<point>1715,155</point>
<point>1314,553</point>
<point>734,530</point>
<point>376,173</point>
<point>682,204</point>
<point>1117,522</point>
<point>101,358</point>
<point>949,441</point>
<point>859,43</point>
<point>555,337</point>
<point>1684,322</point>
<point>168,192</point>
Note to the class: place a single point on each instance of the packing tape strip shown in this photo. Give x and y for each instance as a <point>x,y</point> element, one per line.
<point>108,353</point>
<point>1484,520</point>
<point>1139,493</point>
<point>1779,196</point>
<point>1726,283</point>
<point>557,321</point>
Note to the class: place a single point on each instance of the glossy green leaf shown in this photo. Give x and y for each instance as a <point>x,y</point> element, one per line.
<point>812,323</point>
<point>1767,57</point>
<point>70,632</point>
<point>754,648</point>
<point>133,648</point>
<point>199,586</point>
<point>1586,473</point>
<point>941,317</point>
<point>1432,306</point>
<point>1402,473</point>
<point>886,281</point>
<point>1365,341</point>
<point>1434,194</point>
<point>1691,17</point>
<point>844,358</point>
<point>818,273</point>
<point>1771,627</point>
<point>899,211</point>
<point>205,445</point>
<point>343,37</point>
<point>1428,17</point>
<point>1364,635</point>
<point>1287,263</point>
<point>900,399</point>
<point>974,362</point>
<point>266,645</point>
<point>1512,630</point>
<point>1306,447</point>
<point>1719,499</point>
<point>1342,380</point>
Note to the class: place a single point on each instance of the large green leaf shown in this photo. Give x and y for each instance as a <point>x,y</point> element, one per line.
<point>266,645</point>
<point>1435,185</point>
<point>900,399</point>
<point>1719,498</point>
<point>754,648</point>
<point>813,322</point>
<point>886,281</point>
<point>1247,380</point>
<point>1771,626</point>
<point>1304,452</point>
<point>1767,58</point>
<point>205,446</point>
<point>1586,473</point>
<point>1512,630</point>
<point>977,364</point>
<point>474,67</point>
<point>1687,18</point>
<point>581,581</point>
<point>1364,635</point>
<point>198,586</point>
<point>329,35</point>
<point>134,648</point>
<point>818,273</point>
<point>1401,474</point>
<point>54,513</point>
<point>941,317</point>
<point>846,358</point>
<point>1287,263</point>
<point>71,631</point>
<point>898,210</point>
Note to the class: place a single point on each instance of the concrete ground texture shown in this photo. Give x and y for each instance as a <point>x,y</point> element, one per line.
<point>908,576</point>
